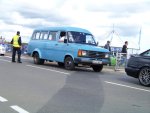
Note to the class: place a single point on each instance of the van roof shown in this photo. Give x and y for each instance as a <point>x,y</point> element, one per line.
<point>63,29</point>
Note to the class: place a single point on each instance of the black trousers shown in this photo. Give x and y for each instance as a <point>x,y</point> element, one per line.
<point>18,50</point>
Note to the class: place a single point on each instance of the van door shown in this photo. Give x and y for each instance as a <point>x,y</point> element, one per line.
<point>41,44</point>
<point>61,48</point>
<point>50,45</point>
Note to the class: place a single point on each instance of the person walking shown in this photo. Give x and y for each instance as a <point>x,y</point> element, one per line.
<point>107,46</point>
<point>16,47</point>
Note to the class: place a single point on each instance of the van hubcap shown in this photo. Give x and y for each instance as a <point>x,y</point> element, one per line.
<point>68,63</point>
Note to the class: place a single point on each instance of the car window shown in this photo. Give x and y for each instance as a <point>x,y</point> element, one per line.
<point>146,53</point>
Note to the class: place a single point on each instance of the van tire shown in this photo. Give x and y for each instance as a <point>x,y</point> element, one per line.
<point>97,68</point>
<point>69,63</point>
<point>37,59</point>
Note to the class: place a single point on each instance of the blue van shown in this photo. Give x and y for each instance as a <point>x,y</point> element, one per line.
<point>69,46</point>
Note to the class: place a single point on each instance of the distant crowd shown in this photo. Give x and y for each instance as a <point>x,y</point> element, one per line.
<point>8,46</point>
<point>123,49</point>
<point>2,40</point>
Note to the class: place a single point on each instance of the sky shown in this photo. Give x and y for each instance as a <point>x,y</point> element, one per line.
<point>115,20</point>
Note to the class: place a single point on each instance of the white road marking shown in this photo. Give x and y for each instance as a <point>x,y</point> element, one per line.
<point>127,86</point>
<point>7,56</point>
<point>11,57</point>
<point>5,60</point>
<point>18,109</point>
<point>48,69</point>
<point>41,68</point>
<point>23,57</point>
<point>3,99</point>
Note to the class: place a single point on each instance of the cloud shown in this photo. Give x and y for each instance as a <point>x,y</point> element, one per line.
<point>127,30</point>
<point>119,9</point>
<point>98,16</point>
<point>31,16</point>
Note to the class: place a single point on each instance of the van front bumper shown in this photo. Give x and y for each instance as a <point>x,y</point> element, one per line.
<point>91,61</point>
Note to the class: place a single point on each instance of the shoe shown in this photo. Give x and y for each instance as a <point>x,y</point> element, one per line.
<point>13,61</point>
<point>19,62</point>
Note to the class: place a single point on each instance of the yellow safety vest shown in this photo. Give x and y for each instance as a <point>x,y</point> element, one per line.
<point>15,41</point>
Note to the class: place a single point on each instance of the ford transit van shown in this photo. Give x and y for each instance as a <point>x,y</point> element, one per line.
<point>69,46</point>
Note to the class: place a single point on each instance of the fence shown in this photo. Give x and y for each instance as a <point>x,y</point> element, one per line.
<point>121,60</point>
<point>9,48</point>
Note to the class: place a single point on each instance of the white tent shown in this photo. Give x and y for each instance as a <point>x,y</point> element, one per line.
<point>117,41</point>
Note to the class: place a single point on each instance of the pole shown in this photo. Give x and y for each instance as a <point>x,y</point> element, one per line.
<point>112,34</point>
<point>140,38</point>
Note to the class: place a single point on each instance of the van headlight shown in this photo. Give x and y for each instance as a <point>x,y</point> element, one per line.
<point>106,55</point>
<point>82,53</point>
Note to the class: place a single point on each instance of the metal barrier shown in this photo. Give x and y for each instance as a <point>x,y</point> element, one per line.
<point>121,59</point>
<point>9,48</point>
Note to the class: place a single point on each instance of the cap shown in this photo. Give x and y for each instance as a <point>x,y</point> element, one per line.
<point>18,32</point>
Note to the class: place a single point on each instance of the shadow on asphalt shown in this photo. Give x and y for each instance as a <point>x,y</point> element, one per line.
<point>82,93</point>
<point>55,65</point>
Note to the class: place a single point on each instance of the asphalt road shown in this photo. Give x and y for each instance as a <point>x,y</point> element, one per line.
<point>29,88</point>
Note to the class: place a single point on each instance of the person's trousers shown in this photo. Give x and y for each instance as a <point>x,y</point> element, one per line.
<point>14,50</point>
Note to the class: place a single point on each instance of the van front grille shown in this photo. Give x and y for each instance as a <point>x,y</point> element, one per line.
<point>95,54</point>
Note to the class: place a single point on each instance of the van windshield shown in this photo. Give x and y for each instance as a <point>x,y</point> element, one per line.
<point>80,37</point>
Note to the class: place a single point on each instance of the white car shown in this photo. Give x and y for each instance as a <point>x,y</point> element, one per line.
<point>2,49</point>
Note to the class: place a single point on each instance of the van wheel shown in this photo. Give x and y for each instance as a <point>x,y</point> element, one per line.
<point>69,63</point>
<point>97,68</point>
<point>37,60</point>
<point>60,64</point>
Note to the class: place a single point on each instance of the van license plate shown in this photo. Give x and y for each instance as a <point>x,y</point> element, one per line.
<point>96,62</point>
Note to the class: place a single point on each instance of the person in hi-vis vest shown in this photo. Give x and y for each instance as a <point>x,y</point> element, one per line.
<point>16,47</point>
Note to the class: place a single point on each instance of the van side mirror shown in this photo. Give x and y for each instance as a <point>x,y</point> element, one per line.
<point>65,40</point>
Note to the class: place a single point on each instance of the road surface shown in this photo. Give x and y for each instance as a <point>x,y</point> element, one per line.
<point>30,88</point>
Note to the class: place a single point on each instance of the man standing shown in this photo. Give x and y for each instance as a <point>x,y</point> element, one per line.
<point>124,48</point>
<point>1,40</point>
<point>107,46</point>
<point>16,43</point>
<point>124,51</point>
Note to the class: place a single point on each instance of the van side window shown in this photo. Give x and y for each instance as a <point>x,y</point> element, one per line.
<point>70,37</point>
<point>33,36</point>
<point>52,35</point>
<point>36,36</point>
<point>41,36</point>
<point>44,35</point>
<point>62,36</point>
